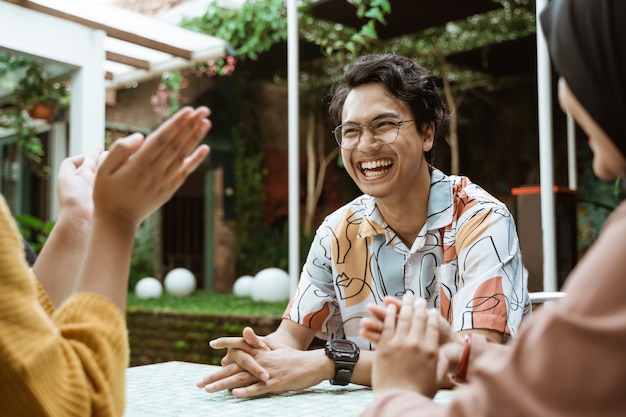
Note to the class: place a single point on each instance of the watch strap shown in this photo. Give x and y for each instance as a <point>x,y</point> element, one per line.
<point>343,373</point>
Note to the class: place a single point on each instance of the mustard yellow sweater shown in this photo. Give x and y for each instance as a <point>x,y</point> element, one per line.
<point>65,362</point>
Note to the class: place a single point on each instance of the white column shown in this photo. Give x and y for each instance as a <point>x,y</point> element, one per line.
<point>293,153</point>
<point>572,176</point>
<point>544,86</point>
<point>87,108</point>
<point>58,153</point>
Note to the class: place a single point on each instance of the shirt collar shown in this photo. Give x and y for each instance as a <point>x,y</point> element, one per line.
<point>440,201</point>
<point>440,208</point>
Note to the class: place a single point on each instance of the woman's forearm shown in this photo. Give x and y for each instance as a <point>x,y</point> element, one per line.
<point>107,261</point>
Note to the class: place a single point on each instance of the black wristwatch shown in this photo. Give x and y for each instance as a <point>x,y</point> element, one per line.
<point>344,353</point>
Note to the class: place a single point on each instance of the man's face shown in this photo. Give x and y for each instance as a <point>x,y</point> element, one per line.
<point>383,170</point>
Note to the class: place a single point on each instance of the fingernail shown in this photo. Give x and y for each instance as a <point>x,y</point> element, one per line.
<point>420,302</point>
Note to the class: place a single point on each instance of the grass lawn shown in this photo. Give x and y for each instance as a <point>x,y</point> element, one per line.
<point>207,302</point>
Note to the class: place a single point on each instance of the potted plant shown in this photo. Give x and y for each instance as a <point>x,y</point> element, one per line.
<point>38,94</point>
<point>35,96</point>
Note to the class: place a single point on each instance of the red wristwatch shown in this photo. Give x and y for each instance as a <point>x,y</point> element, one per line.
<point>461,370</point>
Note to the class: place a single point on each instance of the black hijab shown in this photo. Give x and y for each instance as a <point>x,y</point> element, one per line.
<point>587,44</point>
<point>29,253</point>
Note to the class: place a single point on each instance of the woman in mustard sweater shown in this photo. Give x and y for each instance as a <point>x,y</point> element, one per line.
<point>66,354</point>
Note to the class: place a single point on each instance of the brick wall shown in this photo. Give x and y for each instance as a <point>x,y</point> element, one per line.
<point>160,336</point>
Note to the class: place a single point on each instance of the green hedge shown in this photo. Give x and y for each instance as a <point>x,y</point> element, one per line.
<point>178,328</point>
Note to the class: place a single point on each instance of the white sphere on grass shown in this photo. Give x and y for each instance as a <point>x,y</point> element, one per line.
<point>148,287</point>
<point>180,281</point>
<point>243,286</point>
<point>271,285</point>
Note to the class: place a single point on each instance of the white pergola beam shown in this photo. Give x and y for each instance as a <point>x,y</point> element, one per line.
<point>157,44</point>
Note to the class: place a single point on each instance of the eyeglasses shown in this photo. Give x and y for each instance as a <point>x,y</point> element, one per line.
<point>384,131</point>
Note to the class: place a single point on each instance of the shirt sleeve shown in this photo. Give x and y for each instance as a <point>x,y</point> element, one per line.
<point>492,283</point>
<point>68,362</point>
<point>314,303</point>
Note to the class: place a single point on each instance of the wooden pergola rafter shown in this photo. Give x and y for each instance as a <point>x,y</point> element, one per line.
<point>137,47</point>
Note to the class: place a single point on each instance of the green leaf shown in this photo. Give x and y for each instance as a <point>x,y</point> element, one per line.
<point>358,38</point>
<point>29,221</point>
<point>376,14</point>
<point>350,46</point>
<point>385,5</point>
<point>369,30</point>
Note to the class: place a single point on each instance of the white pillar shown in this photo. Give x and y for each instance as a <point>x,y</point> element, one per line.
<point>293,153</point>
<point>87,108</point>
<point>544,86</point>
<point>58,153</point>
<point>572,176</point>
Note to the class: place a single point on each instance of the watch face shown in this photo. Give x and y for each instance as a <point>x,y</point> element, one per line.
<point>342,345</point>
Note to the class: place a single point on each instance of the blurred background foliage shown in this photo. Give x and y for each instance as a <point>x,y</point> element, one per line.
<point>475,97</point>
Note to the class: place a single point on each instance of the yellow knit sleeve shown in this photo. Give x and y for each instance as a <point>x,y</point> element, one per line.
<point>65,362</point>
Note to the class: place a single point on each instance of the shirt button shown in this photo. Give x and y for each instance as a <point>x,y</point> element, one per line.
<point>410,262</point>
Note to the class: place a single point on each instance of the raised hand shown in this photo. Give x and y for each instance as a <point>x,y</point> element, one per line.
<point>75,183</point>
<point>58,263</point>
<point>138,176</point>
<point>451,343</point>
<point>407,350</point>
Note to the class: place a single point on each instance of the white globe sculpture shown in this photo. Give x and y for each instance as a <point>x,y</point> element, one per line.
<point>148,287</point>
<point>243,286</point>
<point>180,282</point>
<point>270,285</point>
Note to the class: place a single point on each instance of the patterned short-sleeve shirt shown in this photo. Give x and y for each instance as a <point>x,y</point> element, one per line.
<point>465,262</point>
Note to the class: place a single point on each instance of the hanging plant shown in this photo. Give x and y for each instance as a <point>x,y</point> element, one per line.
<point>36,88</point>
<point>35,95</point>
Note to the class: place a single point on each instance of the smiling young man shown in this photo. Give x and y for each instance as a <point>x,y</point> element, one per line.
<point>414,230</point>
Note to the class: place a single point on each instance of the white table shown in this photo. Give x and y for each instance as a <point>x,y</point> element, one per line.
<point>168,389</point>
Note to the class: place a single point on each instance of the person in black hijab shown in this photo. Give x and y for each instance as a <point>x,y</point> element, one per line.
<point>586,43</point>
<point>569,360</point>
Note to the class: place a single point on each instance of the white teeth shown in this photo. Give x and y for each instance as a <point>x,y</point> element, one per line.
<point>374,173</point>
<point>375,168</point>
<point>375,164</point>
